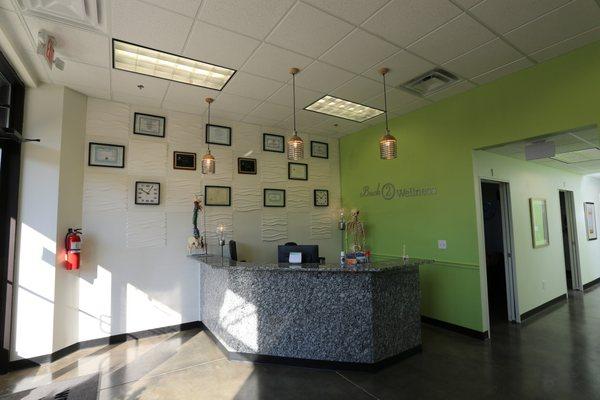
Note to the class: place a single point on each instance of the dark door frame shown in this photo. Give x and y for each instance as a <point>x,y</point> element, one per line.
<point>14,97</point>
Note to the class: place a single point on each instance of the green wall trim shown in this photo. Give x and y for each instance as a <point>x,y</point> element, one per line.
<point>435,146</point>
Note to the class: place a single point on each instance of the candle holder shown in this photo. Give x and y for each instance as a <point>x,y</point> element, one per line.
<point>342,226</point>
<point>221,235</point>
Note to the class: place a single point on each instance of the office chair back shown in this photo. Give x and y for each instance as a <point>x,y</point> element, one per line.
<point>233,250</point>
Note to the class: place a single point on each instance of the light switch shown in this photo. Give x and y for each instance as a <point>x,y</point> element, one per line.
<point>442,245</point>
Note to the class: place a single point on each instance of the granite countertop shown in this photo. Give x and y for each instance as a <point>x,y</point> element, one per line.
<point>395,264</point>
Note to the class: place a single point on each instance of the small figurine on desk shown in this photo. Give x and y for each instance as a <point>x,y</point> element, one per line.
<point>196,242</point>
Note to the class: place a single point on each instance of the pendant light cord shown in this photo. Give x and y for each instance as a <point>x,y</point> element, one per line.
<point>209,126</point>
<point>387,128</point>
<point>294,99</point>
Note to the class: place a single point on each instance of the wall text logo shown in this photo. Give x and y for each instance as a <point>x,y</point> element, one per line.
<point>388,191</point>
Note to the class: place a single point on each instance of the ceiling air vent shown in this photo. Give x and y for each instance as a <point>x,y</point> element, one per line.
<point>430,82</point>
<point>83,13</point>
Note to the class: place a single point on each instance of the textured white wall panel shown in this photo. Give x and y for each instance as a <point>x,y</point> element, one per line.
<point>146,229</point>
<point>147,158</point>
<point>247,198</point>
<point>107,118</point>
<point>321,224</point>
<point>274,226</point>
<point>104,192</point>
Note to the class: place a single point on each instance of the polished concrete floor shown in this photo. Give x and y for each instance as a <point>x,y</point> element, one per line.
<point>554,355</point>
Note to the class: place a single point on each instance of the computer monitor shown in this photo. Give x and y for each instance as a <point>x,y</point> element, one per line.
<point>310,253</point>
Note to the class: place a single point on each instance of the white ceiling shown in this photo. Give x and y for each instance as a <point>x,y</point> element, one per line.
<point>565,142</point>
<point>338,45</point>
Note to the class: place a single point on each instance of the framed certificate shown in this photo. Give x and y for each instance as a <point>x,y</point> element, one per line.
<point>590,221</point>
<point>149,125</point>
<point>274,198</point>
<point>274,143</point>
<point>217,134</point>
<point>298,171</point>
<point>184,160</point>
<point>217,196</point>
<point>106,155</point>
<point>319,149</point>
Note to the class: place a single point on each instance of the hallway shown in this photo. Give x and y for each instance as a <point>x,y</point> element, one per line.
<point>554,355</point>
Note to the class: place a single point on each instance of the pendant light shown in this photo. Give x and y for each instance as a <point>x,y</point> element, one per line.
<point>295,150</point>
<point>208,160</point>
<point>388,147</point>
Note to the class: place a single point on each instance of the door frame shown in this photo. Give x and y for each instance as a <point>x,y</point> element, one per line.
<point>572,239</point>
<point>510,274</point>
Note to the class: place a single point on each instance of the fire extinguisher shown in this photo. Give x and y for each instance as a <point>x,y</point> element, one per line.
<point>73,248</point>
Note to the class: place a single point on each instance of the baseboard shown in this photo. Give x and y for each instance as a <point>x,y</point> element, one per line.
<point>120,338</point>
<point>542,307</point>
<point>309,363</point>
<point>590,284</point>
<point>455,328</point>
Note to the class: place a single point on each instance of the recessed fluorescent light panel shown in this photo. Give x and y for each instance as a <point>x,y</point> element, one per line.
<point>578,156</point>
<point>343,109</point>
<point>142,60</point>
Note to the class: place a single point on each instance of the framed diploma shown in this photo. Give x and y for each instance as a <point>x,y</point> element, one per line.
<point>106,155</point>
<point>149,125</point>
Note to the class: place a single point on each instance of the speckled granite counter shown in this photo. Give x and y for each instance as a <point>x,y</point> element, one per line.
<point>355,315</point>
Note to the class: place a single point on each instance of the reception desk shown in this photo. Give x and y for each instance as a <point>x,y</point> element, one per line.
<point>311,314</point>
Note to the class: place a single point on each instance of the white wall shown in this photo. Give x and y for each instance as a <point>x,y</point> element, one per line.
<point>135,257</point>
<point>135,272</point>
<point>541,272</point>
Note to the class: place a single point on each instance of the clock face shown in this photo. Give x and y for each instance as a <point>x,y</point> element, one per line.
<point>147,193</point>
<point>321,198</point>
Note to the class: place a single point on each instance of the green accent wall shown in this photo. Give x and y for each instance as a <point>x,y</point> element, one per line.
<point>435,147</point>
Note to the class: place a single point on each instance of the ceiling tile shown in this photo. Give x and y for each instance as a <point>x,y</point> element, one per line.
<point>221,117</point>
<point>501,71</point>
<point>271,111</point>
<point>358,89</point>
<point>308,31</point>
<point>253,119</point>
<point>253,86</point>
<point>453,39</point>
<point>191,108</point>
<point>219,46</point>
<point>466,4</point>
<point>127,83</point>
<point>504,15</point>
<point>137,22</point>
<point>185,7</point>
<point>410,107</point>
<point>404,21</point>
<point>304,97</point>
<point>180,93</point>
<point>138,100</point>
<point>78,74</point>
<point>6,4</point>
<point>233,103</point>
<point>95,91</point>
<point>483,59</point>
<point>567,45</point>
<point>254,18</point>
<point>563,23</point>
<point>18,35</point>
<point>403,67</point>
<point>274,62</point>
<point>396,98</point>
<point>74,44</point>
<point>340,127</point>
<point>322,77</point>
<point>354,11</point>
<point>359,51</point>
<point>457,88</point>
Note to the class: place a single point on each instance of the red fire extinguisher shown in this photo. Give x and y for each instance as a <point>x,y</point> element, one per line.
<point>72,248</point>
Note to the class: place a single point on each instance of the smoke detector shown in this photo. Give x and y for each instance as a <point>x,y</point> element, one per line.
<point>430,82</point>
<point>82,13</point>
